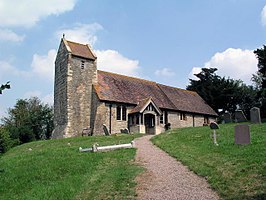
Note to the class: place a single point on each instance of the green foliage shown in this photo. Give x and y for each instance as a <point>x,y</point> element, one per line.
<point>260,78</point>
<point>235,171</point>
<point>55,169</point>
<point>4,86</point>
<point>29,120</point>
<point>223,93</point>
<point>261,56</point>
<point>5,140</point>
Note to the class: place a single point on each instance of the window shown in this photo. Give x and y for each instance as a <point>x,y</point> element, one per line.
<point>118,112</point>
<point>183,116</point>
<point>137,119</point>
<point>150,107</point>
<point>82,64</point>
<point>161,119</point>
<point>165,117</point>
<point>206,120</point>
<point>124,113</point>
<point>121,113</point>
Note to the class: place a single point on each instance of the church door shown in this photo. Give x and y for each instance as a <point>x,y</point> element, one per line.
<point>149,120</point>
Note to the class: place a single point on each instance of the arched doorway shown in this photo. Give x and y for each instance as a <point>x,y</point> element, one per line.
<point>149,120</point>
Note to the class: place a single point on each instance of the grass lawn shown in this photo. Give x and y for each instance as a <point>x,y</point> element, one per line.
<point>234,171</point>
<point>56,170</point>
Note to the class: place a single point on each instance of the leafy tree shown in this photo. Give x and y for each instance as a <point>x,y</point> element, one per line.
<point>260,78</point>
<point>261,56</point>
<point>29,120</point>
<point>5,140</point>
<point>4,86</point>
<point>222,93</point>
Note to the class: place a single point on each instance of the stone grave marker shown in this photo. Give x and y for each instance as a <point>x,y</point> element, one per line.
<point>255,115</point>
<point>227,118</point>
<point>126,131</point>
<point>240,117</point>
<point>106,132</point>
<point>214,126</point>
<point>86,132</point>
<point>242,134</point>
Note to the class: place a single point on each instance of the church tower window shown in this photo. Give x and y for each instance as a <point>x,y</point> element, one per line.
<point>82,64</point>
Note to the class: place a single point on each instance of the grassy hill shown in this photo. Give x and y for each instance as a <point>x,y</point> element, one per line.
<point>235,171</point>
<point>55,169</point>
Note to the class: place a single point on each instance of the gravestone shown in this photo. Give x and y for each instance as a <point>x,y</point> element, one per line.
<point>106,132</point>
<point>255,115</point>
<point>214,126</point>
<point>86,132</point>
<point>126,131</point>
<point>242,134</point>
<point>240,117</point>
<point>227,118</point>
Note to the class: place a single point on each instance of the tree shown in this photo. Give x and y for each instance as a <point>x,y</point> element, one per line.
<point>261,56</point>
<point>4,86</point>
<point>5,140</point>
<point>29,120</point>
<point>260,78</point>
<point>223,94</point>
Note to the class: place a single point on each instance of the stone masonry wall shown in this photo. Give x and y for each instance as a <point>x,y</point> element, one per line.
<point>60,92</point>
<point>174,119</point>
<point>79,93</point>
<point>102,116</point>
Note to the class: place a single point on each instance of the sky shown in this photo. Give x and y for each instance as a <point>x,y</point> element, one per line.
<point>166,41</point>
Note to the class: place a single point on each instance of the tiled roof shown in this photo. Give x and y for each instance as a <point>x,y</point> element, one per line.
<point>143,104</point>
<point>125,89</point>
<point>81,50</point>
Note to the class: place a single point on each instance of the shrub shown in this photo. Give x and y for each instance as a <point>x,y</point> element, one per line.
<point>5,140</point>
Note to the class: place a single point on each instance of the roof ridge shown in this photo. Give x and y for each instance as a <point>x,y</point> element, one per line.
<point>126,76</point>
<point>176,88</point>
<point>76,42</point>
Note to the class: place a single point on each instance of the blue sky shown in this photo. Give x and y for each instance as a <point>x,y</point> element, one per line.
<point>161,40</point>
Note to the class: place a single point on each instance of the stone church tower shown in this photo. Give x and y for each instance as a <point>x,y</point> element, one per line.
<point>75,74</point>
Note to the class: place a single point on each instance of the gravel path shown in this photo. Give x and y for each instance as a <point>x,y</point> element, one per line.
<point>165,177</point>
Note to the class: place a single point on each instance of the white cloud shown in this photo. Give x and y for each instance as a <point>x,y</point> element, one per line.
<point>43,65</point>
<point>164,72</point>
<point>233,63</point>
<point>8,70</point>
<point>263,16</point>
<point>110,60</point>
<point>8,35</point>
<point>29,12</point>
<point>82,33</point>
<point>48,99</point>
<point>195,70</point>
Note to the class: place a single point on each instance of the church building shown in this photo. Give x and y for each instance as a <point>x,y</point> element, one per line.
<point>88,98</point>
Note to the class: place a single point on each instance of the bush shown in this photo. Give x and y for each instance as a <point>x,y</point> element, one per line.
<point>5,140</point>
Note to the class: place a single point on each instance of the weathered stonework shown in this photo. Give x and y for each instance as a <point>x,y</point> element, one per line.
<point>74,78</point>
<point>78,106</point>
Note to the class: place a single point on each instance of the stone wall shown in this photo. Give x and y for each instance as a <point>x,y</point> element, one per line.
<point>79,92</point>
<point>176,122</point>
<point>74,78</point>
<point>60,92</point>
<point>102,116</point>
